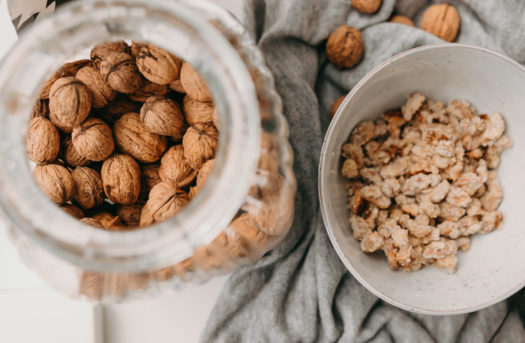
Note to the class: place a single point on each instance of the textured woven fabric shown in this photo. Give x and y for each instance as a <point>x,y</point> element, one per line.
<point>301,292</point>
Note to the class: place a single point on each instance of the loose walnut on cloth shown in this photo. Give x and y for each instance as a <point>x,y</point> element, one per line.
<point>301,292</point>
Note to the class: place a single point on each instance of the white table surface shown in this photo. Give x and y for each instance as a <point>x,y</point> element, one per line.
<point>32,312</point>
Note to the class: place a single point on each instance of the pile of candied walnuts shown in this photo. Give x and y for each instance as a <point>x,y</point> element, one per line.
<point>422,180</point>
<point>124,139</point>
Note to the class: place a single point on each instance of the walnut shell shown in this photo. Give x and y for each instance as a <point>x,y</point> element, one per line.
<point>149,178</point>
<point>71,156</point>
<point>133,138</point>
<point>442,20</point>
<point>41,108</point>
<point>200,142</point>
<point>56,182</point>
<point>165,200</point>
<point>148,89</point>
<point>101,93</point>
<point>197,112</point>
<point>89,187</point>
<point>92,222</point>
<point>108,220</point>
<point>69,103</point>
<point>93,139</point>
<point>366,6</point>
<point>73,210</point>
<point>42,141</point>
<point>194,84</point>
<point>115,109</point>
<point>120,72</point>
<point>121,179</point>
<point>99,52</point>
<point>175,168</point>
<point>130,214</point>
<point>163,116</point>
<point>335,105</point>
<point>230,243</point>
<point>202,177</point>
<point>176,86</point>
<point>246,227</point>
<point>344,47</point>
<point>401,19</point>
<point>157,65</point>
<point>68,69</point>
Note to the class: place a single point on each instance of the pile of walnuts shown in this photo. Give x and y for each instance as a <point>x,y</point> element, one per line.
<point>123,139</point>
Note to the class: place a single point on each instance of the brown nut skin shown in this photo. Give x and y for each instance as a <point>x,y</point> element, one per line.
<point>130,214</point>
<point>99,52</point>
<point>93,139</point>
<point>42,141</point>
<point>157,65</point>
<point>73,210</point>
<point>69,103</point>
<point>90,192</point>
<point>133,138</point>
<point>92,222</point>
<point>148,89</point>
<point>442,20</point>
<point>41,108</point>
<point>121,179</point>
<point>149,178</point>
<point>344,47</point>
<point>120,72</point>
<point>197,112</point>
<point>56,182</point>
<point>108,220</point>
<point>101,93</point>
<point>175,168</point>
<point>165,200</point>
<point>163,116</point>
<point>176,86</point>
<point>335,105</point>
<point>200,143</point>
<point>194,84</point>
<point>366,6</point>
<point>70,155</point>
<point>401,19</point>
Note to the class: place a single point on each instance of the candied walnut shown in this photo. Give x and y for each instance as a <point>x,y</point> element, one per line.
<point>400,237</point>
<point>355,152</point>
<point>93,139</point>
<point>197,112</point>
<point>469,182</point>
<point>42,141</point>
<point>350,169</point>
<point>491,220</point>
<point>495,128</point>
<point>401,19</point>
<point>165,200</point>
<point>414,102</point>
<point>130,214</point>
<point>469,225</point>
<point>200,142</point>
<point>101,93</point>
<point>418,229</point>
<point>448,263</point>
<point>492,198</point>
<point>363,132</point>
<point>449,229</point>
<point>439,192</point>
<point>344,47</point>
<point>100,52</point>
<point>375,196</point>
<point>402,199</point>
<point>163,116</point>
<point>56,182</point>
<point>69,103</point>
<point>194,84</point>
<point>121,179</point>
<point>442,20</point>
<point>411,209</point>
<point>390,187</point>
<point>356,203</point>
<point>360,228</point>
<point>73,210</point>
<point>440,249</point>
<point>120,72</point>
<point>71,156</point>
<point>430,209</point>
<point>371,175</point>
<point>394,169</point>
<point>415,184</point>
<point>458,197</point>
<point>463,243</point>
<point>147,89</point>
<point>454,172</point>
<point>156,64</point>
<point>372,242</point>
<point>175,168</point>
<point>132,137</point>
<point>451,212</point>
<point>89,190</point>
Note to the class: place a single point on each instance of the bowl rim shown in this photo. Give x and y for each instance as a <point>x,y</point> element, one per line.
<point>323,170</point>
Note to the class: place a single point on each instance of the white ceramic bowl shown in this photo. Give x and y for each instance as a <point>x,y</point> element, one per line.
<point>494,268</point>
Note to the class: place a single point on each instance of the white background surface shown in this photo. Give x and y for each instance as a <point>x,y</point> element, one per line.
<point>32,312</point>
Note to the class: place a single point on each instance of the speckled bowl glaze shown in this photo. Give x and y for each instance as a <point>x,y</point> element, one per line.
<point>494,268</point>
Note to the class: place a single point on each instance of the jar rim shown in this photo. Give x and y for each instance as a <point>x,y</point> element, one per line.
<point>207,214</point>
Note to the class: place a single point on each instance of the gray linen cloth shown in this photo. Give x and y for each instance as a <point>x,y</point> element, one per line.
<point>300,291</point>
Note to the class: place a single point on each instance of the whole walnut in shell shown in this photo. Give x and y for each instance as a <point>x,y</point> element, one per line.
<point>199,142</point>
<point>41,108</point>
<point>100,52</point>
<point>133,138</point>
<point>148,89</point>
<point>73,210</point>
<point>42,141</point>
<point>93,139</point>
<point>101,93</point>
<point>120,72</point>
<point>130,214</point>
<point>56,182</point>
<point>344,47</point>
<point>366,6</point>
<point>121,179</point>
<point>165,200</point>
<point>68,69</point>
<point>157,65</point>
<point>163,116</point>
<point>69,103</point>
<point>197,112</point>
<point>194,84</point>
<point>71,156</point>
<point>442,20</point>
<point>175,168</point>
<point>115,109</point>
<point>335,105</point>
<point>246,227</point>
<point>202,177</point>
<point>176,86</point>
<point>401,19</point>
<point>149,178</point>
<point>89,187</point>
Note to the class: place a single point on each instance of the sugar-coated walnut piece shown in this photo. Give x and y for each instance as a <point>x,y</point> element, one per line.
<point>344,47</point>
<point>440,249</point>
<point>93,139</point>
<point>175,168</point>
<point>360,228</point>
<point>165,200</point>
<point>156,64</point>
<point>163,116</point>
<point>42,141</point>
<point>200,143</point>
<point>56,182</point>
<point>355,152</point>
<point>89,191</point>
<point>121,179</point>
<point>363,132</point>
<point>414,102</point>
<point>350,169</point>
<point>458,197</point>
<point>69,103</point>
<point>372,242</point>
<point>194,85</point>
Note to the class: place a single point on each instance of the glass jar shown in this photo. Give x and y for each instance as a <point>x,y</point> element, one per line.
<point>243,210</point>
